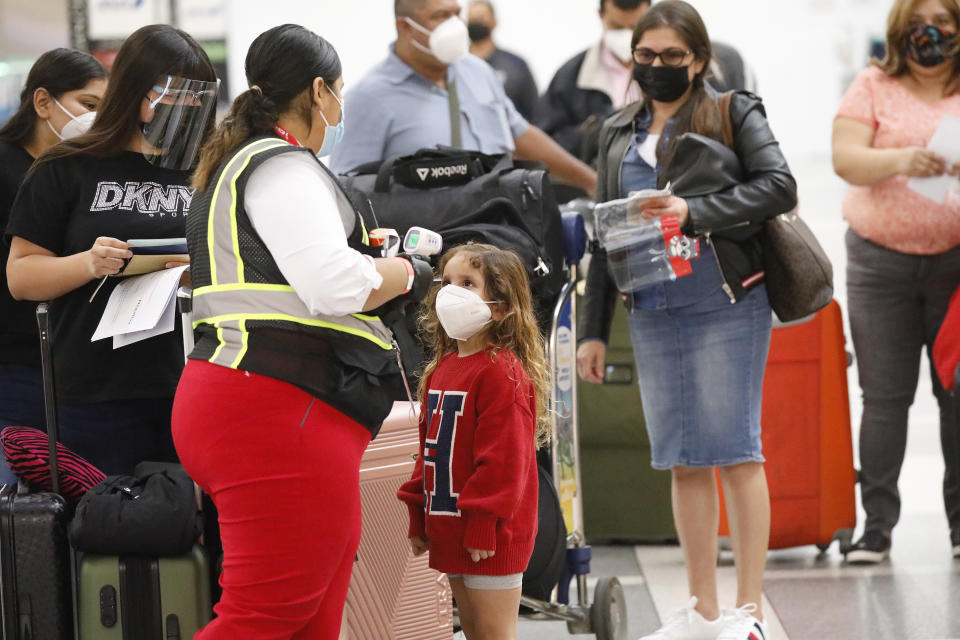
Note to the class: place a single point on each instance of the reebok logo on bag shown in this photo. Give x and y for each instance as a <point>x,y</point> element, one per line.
<point>443,172</point>
<point>431,174</point>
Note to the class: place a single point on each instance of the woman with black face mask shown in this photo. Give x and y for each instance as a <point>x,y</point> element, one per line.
<point>903,249</point>
<point>701,341</point>
<point>127,178</point>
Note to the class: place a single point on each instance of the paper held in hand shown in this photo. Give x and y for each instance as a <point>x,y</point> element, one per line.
<point>140,307</point>
<point>946,142</point>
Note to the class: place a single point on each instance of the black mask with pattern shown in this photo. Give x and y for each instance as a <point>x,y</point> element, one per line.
<point>929,46</point>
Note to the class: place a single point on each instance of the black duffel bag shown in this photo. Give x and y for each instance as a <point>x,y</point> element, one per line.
<point>446,189</point>
<point>153,512</point>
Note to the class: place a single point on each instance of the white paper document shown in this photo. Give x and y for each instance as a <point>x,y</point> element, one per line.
<point>946,142</point>
<point>140,307</point>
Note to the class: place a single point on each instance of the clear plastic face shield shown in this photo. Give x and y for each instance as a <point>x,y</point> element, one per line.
<point>180,112</point>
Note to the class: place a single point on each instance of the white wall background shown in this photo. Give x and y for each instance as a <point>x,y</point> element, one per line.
<point>803,51</point>
<point>30,27</point>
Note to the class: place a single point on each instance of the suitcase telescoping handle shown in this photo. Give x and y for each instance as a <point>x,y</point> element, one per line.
<point>49,391</point>
<point>185,306</point>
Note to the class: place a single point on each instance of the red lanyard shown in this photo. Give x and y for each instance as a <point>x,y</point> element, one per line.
<point>286,135</point>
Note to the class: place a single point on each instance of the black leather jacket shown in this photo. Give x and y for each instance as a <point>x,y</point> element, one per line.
<point>729,218</point>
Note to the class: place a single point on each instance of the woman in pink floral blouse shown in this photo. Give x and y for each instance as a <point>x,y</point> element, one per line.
<point>903,249</point>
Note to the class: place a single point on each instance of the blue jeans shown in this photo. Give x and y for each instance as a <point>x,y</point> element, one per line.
<point>116,435</point>
<point>21,404</point>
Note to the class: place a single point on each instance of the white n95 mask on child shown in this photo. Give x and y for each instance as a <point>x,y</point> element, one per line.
<point>462,312</point>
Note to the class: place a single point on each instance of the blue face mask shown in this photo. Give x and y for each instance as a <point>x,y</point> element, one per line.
<point>334,133</point>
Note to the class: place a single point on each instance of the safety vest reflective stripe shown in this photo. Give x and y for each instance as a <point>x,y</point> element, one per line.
<point>222,305</point>
<point>223,244</point>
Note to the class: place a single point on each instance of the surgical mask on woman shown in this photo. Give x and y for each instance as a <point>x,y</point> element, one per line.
<point>462,312</point>
<point>333,133</point>
<point>928,45</point>
<point>663,84</point>
<point>449,42</point>
<point>77,126</point>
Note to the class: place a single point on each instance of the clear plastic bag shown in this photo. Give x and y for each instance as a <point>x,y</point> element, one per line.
<point>641,252</point>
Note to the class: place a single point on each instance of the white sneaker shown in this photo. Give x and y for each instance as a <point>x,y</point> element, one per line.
<point>741,625</point>
<point>687,624</point>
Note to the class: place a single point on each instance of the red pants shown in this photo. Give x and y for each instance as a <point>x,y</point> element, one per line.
<point>283,471</point>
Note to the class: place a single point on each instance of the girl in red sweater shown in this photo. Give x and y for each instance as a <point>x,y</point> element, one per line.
<point>473,493</point>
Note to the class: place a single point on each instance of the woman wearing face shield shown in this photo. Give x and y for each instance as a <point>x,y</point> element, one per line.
<point>82,201</point>
<point>293,370</point>
<point>59,100</point>
<point>903,250</point>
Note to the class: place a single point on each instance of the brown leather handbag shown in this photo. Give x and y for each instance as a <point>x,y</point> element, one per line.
<point>798,273</point>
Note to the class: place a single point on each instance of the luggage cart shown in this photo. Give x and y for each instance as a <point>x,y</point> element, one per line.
<point>606,615</point>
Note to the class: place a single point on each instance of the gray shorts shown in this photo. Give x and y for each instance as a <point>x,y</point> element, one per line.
<point>490,583</point>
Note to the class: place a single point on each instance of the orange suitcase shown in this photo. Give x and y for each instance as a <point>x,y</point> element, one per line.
<point>393,595</point>
<point>807,439</point>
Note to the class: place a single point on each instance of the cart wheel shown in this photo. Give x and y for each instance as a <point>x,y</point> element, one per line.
<point>823,547</point>
<point>608,613</point>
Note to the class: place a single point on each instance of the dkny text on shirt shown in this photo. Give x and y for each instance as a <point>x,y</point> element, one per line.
<point>143,197</point>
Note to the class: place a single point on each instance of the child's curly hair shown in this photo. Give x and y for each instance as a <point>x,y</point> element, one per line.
<point>505,281</point>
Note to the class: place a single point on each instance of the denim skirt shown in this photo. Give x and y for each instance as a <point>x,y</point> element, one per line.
<point>700,369</point>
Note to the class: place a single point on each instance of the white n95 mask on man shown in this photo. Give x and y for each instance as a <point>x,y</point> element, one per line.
<point>449,42</point>
<point>462,312</point>
<point>619,41</point>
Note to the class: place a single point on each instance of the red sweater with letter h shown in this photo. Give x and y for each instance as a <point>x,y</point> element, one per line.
<point>474,484</point>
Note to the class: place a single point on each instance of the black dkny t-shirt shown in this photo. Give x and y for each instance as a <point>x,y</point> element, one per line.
<point>19,342</point>
<point>64,206</point>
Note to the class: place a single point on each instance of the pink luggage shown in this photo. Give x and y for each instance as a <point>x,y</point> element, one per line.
<point>393,595</point>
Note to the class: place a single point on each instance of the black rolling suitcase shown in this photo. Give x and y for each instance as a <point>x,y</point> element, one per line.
<point>35,570</point>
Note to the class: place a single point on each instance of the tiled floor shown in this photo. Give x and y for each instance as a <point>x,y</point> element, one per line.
<point>808,595</point>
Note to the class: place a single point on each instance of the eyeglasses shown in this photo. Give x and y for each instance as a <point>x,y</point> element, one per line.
<point>184,90</point>
<point>184,93</point>
<point>672,57</point>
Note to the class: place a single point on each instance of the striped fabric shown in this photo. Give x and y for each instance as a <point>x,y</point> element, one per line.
<point>27,453</point>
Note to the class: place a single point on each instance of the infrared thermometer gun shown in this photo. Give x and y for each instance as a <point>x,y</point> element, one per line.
<point>422,242</point>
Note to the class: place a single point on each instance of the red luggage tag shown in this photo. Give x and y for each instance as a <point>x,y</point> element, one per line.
<point>680,249</point>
